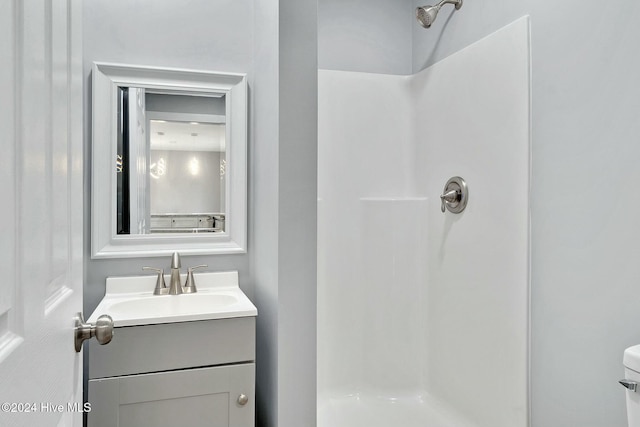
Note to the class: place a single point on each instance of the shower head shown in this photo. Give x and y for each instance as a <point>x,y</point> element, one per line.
<point>427,14</point>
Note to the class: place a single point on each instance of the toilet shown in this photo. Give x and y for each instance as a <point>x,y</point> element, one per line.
<point>631,381</point>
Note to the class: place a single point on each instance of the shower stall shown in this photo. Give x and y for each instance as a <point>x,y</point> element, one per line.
<point>423,315</point>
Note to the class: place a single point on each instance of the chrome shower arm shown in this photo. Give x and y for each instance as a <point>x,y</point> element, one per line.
<point>456,3</point>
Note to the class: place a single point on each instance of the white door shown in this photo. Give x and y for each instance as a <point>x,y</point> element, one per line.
<point>41,211</point>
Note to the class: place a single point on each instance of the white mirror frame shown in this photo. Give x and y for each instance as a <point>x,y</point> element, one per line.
<point>105,243</point>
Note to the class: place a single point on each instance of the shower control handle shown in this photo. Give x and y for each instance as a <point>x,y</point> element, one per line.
<point>455,195</point>
<point>450,196</point>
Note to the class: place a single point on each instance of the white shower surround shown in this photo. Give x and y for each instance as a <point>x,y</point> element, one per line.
<point>423,316</point>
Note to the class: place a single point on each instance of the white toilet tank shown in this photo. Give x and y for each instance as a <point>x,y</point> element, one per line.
<point>631,362</point>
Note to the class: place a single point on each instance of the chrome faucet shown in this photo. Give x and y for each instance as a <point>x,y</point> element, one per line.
<point>175,287</point>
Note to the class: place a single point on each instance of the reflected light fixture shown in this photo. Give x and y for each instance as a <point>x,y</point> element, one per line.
<point>156,170</point>
<point>223,167</point>
<point>194,166</point>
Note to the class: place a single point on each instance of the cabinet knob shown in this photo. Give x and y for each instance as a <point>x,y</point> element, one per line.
<point>243,399</point>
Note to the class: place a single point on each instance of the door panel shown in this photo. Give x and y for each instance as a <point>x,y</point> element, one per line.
<point>42,213</point>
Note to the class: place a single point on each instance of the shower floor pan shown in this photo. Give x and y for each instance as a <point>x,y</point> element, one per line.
<point>369,409</point>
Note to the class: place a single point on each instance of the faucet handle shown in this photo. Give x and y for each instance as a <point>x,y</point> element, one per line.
<point>190,285</point>
<point>161,286</point>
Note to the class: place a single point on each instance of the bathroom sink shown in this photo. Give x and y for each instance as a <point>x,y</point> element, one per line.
<point>130,301</point>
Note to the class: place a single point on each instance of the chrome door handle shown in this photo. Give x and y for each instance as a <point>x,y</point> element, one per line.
<point>102,330</point>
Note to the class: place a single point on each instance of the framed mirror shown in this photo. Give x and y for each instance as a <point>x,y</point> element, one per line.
<point>169,162</point>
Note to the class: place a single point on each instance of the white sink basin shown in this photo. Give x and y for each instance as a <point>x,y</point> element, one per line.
<point>130,301</point>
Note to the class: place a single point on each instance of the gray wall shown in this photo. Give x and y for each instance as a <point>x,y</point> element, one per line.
<point>127,32</point>
<point>263,231</point>
<point>211,36</point>
<point>275,42</point>
<point>297,222</point>
<point>585,279</point>
<point>365,35</point>
<point>283,260</point>
<point>454,30</point>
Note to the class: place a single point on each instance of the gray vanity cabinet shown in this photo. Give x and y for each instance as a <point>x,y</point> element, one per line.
<point>193,397</point>
<point>187,374</point>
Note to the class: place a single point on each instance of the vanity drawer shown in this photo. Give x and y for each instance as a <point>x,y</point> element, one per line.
<point>170,346</point>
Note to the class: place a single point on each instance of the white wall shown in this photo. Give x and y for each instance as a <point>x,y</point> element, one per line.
<point>584,236</point>
<point>367,206</point>
<point>181,191</point>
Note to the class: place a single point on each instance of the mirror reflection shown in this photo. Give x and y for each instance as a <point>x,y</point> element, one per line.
<point>171,162</point>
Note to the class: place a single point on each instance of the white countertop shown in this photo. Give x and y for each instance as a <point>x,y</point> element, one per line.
<point>130,300</point>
